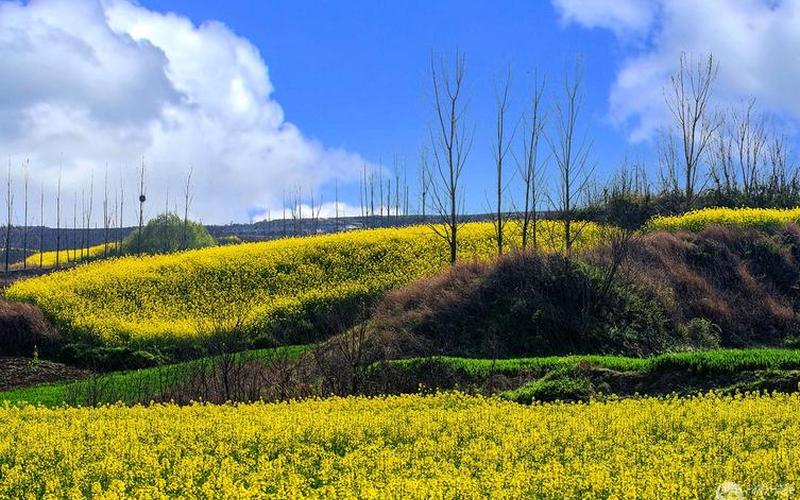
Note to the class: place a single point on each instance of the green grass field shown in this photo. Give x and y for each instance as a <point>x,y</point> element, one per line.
<point>131,386</point>
<point>713,361</point>
<point>551,375</point>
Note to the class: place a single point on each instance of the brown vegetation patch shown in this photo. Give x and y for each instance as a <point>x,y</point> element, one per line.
<point>17,372</point>
<point>24,328</point>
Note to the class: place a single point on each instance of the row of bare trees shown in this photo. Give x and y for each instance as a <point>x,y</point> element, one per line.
<point>734,155</point>
<point>376,196</point>
<point>451,141</point>
<point>73,242</point>
<point>706,154</point>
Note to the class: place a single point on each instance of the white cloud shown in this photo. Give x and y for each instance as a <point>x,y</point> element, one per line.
<point>88,83</point>
<point>624,17</point>
<point>756,42</point>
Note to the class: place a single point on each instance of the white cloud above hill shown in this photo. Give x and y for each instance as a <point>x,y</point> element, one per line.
<point>756,42</point>
<point>85,83</point>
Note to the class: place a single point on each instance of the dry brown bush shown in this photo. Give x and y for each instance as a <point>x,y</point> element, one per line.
<point>24,327</point>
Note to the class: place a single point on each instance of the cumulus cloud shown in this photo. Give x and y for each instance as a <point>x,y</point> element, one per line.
<point>624,17</point>
<point>756,42</point>
<point>87,83</point>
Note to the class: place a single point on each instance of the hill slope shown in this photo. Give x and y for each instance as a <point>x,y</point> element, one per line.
<point>719,287</point>
<point>284,291</point>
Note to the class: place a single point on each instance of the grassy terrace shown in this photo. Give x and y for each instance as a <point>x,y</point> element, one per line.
<point>551,375</point>
<point>134,385</point>
<point>714,361</point>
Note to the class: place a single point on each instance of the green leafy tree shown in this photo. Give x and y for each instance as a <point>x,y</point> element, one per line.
<point>167,233</point>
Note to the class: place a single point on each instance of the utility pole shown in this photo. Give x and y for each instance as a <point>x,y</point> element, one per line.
<point>142,199</point>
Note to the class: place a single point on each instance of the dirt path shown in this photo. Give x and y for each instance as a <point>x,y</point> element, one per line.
<point>22,372</point>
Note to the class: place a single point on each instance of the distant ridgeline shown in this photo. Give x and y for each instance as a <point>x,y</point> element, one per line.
<point>257,231</point>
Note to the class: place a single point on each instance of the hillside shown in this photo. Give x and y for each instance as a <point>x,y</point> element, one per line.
<point>722,286</point>
<point>286,291</point>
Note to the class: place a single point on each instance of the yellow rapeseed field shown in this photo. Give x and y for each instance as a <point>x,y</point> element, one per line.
<point>172,298</point>
<point>697,220</point>
<point>66,256</point>
<point>443,446</point>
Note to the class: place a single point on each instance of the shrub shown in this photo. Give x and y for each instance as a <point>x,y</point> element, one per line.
<point>167,233</point>
<point>524,304</point>
<point>723,286</point>
<point>24,328</point>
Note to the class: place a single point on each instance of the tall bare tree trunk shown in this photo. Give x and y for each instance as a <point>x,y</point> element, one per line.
<point>121,212</point>
<point>25,220</point>
<point>10,213</point>
<point>571,150</point>
<point>451,146</point>
<point>502,146</point>
<point>187,200</point>
<point>58,220</point>
<point>529,169</point>
<point>90,206</point>
<point>424,185</point>
<point>689,104</point>
<point>106,213</point>
<point>336,204</point>
<point>41,228</point>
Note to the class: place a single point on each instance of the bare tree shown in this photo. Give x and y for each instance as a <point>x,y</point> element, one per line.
<point>451,145</point>
<point>58,219</point>
<point>362,190</point>
<point>41,227</point>
<point>380,191</point>
<point>424,181</point>
<point>405,188</point>
<point>121,217</point>
<point>530,168</point>
<point>26,179</point>
<point>784,177</point>
<point>75,233</point>
<point>9,214</point>
<point>88,215</point>
<point>297,211</point>
<point>668,162</point>
<point>284,213</point>
<point>372,193</point>
<point>722,168</point>
<point>396,189</point>
<point>315,211</point>
<point>336,203</point>
<point>501,147</point>
<point>689,102</point>
<point>751,139</point>
<point>106,213</point>
<point>571,149</point>
<point>388,199</point>
<point>187,201</point>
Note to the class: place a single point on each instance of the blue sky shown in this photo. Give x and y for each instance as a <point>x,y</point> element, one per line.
<point>355,74</point>
<point>262,97</point>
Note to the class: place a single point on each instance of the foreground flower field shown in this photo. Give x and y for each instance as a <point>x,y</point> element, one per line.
<point>443,446</point>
